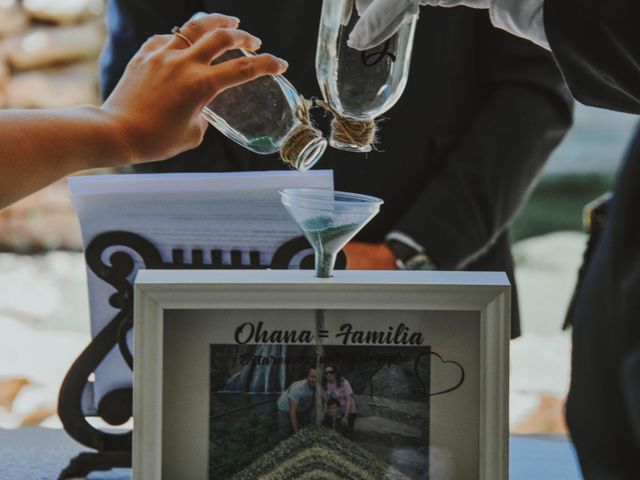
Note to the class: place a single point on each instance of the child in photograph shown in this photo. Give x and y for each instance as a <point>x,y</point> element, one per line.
<point>333,419</point>
<point>337,387</point>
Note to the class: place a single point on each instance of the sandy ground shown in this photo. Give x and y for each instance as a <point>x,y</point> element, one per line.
<point>44,312</point>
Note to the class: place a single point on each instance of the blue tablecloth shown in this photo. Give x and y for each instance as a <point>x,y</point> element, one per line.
<point>40,454</point>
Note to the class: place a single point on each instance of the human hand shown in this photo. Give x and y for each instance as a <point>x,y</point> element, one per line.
<point>156,105</point>
<point>369,256</point>
<point>380,19</point>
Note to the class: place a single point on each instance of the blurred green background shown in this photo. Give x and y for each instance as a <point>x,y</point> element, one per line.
<point>557,203</point>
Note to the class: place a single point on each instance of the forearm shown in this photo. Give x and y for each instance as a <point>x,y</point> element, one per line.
<point>38,147</point>
<point>486,177</point>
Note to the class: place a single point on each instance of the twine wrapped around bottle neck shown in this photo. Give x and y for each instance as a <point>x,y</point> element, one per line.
<point>349,131</point>
<point>299,137</point>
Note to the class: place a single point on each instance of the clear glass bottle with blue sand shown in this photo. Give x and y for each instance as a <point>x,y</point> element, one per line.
<point>267,115</point>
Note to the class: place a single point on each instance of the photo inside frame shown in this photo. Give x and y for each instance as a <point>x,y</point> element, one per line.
<point>286,411</point>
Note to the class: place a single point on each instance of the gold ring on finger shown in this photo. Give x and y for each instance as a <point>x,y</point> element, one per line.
<point>176,31</point>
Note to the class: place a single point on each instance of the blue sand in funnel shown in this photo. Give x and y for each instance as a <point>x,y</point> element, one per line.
<point>325,235</point>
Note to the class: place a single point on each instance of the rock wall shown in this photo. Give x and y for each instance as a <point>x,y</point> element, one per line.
<point>49,53</point>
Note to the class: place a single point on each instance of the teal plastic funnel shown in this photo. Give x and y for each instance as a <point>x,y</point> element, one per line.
<point>329,220</point>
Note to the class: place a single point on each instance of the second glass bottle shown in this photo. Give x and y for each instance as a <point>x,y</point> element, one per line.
<point>358,86</point>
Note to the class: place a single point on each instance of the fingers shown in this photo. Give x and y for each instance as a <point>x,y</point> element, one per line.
<point>202,24</point>
<point>234,72</point>
<point>216,42</point>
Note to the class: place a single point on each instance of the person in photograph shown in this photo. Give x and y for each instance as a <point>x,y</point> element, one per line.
<point>336,387</point>
<point>333,419</point>
<point>153,112</point>
<point>296,403</point>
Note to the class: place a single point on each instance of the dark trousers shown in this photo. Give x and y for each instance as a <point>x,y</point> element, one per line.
<point>351,421</point>
<point>285,429</point>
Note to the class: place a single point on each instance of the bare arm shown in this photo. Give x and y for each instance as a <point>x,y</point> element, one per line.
<point>39,147</point>
<point>153,113</point>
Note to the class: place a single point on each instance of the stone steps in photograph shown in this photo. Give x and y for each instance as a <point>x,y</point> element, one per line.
<point>407,412</point>
<point>382,431</point>
<point>319,453</point>
<point>411,461</point>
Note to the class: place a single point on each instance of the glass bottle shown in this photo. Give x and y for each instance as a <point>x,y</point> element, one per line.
<point>267,115</point>
<point>358,86</point>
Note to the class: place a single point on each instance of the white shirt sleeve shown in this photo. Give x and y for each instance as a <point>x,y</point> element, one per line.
<point>523,18</point>
<point>403,238</point>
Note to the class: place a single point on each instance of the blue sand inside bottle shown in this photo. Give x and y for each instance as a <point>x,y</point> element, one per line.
<point>262,144</point>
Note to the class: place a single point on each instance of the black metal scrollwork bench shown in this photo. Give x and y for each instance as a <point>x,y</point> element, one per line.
<point>113,450</point>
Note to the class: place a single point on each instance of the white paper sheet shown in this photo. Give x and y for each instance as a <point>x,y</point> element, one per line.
<point>224,211</point>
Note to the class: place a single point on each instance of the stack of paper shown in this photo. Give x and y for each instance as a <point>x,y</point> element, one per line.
<point>226,219</point>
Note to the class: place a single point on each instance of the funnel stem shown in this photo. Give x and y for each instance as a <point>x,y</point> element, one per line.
<point>324,264</point>
<point>319,400</point>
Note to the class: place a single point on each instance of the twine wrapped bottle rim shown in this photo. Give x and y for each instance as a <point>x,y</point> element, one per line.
<point>303,137</point>
<point>350,131</point>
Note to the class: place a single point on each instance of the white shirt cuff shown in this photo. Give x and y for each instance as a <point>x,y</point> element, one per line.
<point>523,18</point>
<point>407,240</point>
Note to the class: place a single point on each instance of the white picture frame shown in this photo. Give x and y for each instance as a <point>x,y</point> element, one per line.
<point>181,315</point>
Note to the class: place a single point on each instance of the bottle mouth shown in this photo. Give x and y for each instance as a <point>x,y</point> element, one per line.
<point>303,147</point>
<point>310,154</point>
<point>348,147</point>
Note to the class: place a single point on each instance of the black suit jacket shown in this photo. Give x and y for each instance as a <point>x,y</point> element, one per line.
<point>597,46</point>
<point>459,152</point>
